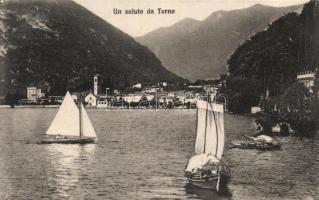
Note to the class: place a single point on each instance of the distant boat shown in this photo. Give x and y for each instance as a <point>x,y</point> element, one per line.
<point>261,142</point>
<point>70,125</point>
<point>205,169</point>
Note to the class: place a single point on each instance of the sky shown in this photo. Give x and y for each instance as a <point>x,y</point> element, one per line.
<point>140,24</point>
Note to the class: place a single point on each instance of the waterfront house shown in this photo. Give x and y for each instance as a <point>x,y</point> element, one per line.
<point>195,87</point>
<point>137,85</point>
<point>149,90</point>
<point>90,99</point>
<point>307,78</point>
<point>149,97</point>
<point>101,102</point>
<point>163,83</point>
<point>133,97</point>
<point>213,89</point>
<point>34,93</point>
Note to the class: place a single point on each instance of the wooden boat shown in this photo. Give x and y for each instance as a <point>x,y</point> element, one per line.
<point>206,169</point>
<point>261,142</point>
<point>71,125</point>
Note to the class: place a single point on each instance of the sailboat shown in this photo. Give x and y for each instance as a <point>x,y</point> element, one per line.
<point>70,125</point>
<point>206,169</point>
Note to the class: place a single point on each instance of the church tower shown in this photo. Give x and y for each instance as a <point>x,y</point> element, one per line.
<point>96,84</point>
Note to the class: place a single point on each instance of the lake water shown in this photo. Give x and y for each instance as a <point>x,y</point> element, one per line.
<point>142,155</point>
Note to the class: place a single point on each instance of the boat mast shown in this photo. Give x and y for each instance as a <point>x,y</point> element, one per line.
<point>80,114</point>
<point>205,138</point>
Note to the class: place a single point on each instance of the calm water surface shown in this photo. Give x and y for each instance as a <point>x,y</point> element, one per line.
<point>142,155</point>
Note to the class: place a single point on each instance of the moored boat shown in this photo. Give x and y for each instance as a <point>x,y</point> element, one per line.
<point>71,125</point>
<point>262,142</point>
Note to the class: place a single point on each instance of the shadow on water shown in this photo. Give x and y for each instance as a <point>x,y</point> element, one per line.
<point>206,194</point>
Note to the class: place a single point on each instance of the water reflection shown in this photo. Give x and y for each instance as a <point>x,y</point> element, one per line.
<point>70,164</point>
<point>206,194</point>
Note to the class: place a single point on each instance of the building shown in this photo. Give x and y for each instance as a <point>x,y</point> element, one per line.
<point>132,98</point>
<point>213,89</point>
<point>102,102</point>
<point>34,93</point>
<point>307,78</point>
<point>137,85</point>
<point>195,87</point>
<point>90,99</point>
<point>150,90</point>
<point>163,83</point>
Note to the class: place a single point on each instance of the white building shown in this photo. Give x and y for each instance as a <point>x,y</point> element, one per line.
<point>90,99</point>
<point>137,85</point>
<point>149,97</point>
<point>40,94</point>
<point>307,78</point>
<point>102,102</point>
<point>152,90</point>
<point>211,89</point>
<point>31,93</point>
<point>34,93</point>
<point>132,98</point>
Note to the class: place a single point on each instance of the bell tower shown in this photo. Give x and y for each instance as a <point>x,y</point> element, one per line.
<point>96,84</point>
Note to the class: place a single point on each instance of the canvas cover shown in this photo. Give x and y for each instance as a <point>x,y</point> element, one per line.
<point>197,162</point>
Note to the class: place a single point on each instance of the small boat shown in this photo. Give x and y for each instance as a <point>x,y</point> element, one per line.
<point>261,142</point>
<point>71,125</point>
<point>206,169</point>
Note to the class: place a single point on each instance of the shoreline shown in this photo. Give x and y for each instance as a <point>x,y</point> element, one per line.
<point>100,109</point>
<point>29,106</point>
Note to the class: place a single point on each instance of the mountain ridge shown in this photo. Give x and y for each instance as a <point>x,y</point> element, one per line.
<point>202,52</point>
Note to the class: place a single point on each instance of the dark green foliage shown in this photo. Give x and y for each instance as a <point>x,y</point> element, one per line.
<point>295,106</point>
<point>270,61</point>
<point>12,99</point>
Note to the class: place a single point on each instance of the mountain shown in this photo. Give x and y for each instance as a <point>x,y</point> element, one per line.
<point>61,44</point>
<point>267,64</point>
<point>199,49</point>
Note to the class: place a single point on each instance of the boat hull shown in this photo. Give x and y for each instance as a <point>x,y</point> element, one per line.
<point>68,140</point>
<point>254,145</point>
<point>206,184</point>
<point>218,183</point>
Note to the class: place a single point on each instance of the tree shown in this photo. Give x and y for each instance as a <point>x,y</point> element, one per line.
<point>296,107</point>
<point>12,99</point>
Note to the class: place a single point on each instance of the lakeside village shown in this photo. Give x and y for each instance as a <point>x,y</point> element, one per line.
<point>139,95</point>
<point>160,96</point>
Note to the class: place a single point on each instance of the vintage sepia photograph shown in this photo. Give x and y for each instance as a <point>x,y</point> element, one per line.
<point>159,99</point>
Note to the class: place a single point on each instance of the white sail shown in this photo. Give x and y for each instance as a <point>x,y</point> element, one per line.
<point>210,136</point>
<point>66,121</point>
<point>86,125</point>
